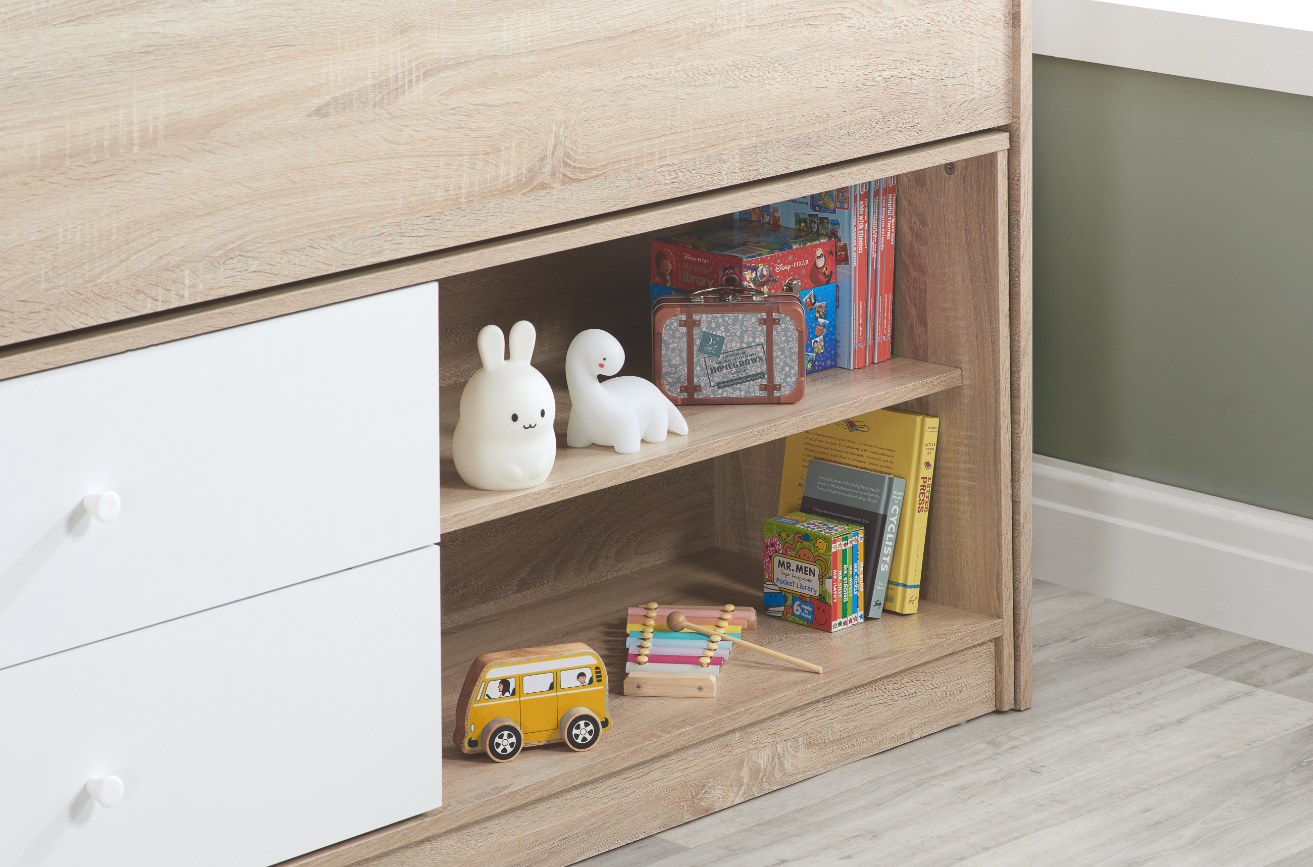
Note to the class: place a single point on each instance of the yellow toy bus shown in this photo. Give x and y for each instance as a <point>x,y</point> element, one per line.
<point>529,697</point>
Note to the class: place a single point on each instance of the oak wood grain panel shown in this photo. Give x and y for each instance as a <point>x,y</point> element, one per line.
<point>713,430</point>
<point>747,495</point>
<point>718,772</point>
<point>178,322</point>
<point>160,153</point>
<point>602,285</point>
<point>951,306</point>
<point>752,688</point>
<point>564,547</point>
<point>1020,311</point>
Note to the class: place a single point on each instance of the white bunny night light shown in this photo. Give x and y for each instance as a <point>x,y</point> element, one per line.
<point>504,439</point>
<point>620,412</point>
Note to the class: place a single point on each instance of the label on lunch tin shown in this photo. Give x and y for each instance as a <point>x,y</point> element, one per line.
<point>736,370</point>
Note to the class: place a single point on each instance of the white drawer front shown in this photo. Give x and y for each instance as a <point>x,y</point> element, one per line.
<point>243,735</point>
<point>244,460</point>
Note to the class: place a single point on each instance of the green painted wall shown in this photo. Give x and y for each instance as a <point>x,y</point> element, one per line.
<point>1174,281</point>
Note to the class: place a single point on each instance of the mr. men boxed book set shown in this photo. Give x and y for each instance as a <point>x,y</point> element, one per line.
<point>813,571</point>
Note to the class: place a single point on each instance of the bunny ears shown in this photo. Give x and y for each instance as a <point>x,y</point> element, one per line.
<point>492,344</point>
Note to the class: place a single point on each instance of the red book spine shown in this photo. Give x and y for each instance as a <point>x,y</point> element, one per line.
<point>861,273</point>
<point>873,278</point>
<point>889,208</point>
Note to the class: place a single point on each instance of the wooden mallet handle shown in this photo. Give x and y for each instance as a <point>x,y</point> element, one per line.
<point>676,622</point>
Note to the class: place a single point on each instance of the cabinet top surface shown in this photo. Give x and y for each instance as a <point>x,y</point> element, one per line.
<point>217,156</point>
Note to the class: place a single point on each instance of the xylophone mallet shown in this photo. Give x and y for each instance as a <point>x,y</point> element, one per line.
<point>676,622</point>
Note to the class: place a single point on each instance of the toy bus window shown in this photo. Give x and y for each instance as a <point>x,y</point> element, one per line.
<point>503,688</point>
<point>536,683</point>
<point>575,677</point>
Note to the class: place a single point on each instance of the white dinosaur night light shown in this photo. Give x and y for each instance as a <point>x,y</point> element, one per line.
<point>504,439</point>
<point>621,412</point>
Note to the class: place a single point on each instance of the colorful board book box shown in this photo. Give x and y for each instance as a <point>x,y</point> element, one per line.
<point>861,220</point>
<point>842,215</point>
<point>813,571</point>
<point>748,255</point>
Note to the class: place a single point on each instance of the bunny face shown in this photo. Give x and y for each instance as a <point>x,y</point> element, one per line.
<point>512,400</point>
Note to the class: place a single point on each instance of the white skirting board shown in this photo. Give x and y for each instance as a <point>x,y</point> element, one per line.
<point>1214,561</point>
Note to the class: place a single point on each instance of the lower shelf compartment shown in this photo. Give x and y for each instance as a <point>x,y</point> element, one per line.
<point>668,760</point>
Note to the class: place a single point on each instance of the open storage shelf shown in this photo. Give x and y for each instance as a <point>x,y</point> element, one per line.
<point>752,687</point>
<point>680,523</point>
<point>712,430</point>
<point>647,732</point>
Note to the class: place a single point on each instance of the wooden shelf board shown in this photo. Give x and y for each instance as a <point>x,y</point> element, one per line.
<point>713,430</point>
<point>752,688</point>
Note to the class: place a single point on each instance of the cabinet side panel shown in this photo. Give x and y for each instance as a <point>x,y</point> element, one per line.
<point>951,307</point>
<point>179,153</point>
<point>1019,250</point>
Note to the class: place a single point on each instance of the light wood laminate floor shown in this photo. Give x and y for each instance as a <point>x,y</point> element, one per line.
<point>1153,741</point>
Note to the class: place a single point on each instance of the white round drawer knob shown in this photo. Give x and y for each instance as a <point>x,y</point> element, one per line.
<point>105,506</point>
<point>106,791</point>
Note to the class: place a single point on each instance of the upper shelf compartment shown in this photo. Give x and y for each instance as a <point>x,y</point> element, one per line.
<point>97,335</point>
<point>712,430</point>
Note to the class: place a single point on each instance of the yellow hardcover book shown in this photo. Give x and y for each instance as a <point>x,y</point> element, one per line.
<point>900,444</point>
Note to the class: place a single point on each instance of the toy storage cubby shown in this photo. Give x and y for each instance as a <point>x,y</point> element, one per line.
<point>681,522</point>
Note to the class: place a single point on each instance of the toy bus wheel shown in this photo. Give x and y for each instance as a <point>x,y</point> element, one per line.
<point>502,740</point>
<point>580,729</point>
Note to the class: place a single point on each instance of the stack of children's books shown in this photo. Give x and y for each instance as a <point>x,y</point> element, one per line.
<point>664,663</point>
<point>861,220</point>
<point>814,571</point>
<point>834,250</point>
<point>871,473</point>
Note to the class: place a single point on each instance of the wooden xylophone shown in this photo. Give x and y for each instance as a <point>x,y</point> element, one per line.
<point>666,663</point>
